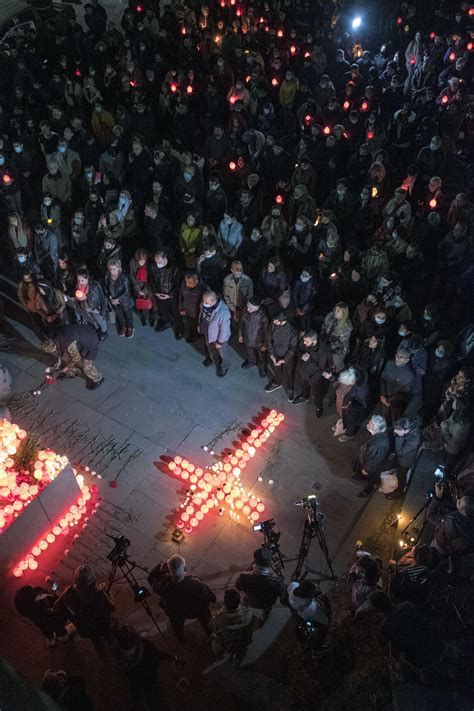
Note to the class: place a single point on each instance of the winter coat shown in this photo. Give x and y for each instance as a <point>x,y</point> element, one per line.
<point>189,242</point>
<point>218,329</point>
<point>396,380</point>
<point>407,446</point>
<point>401,213</point>
<point>69,163</point>
<point>303,294</point>
<point>336,340</point>
<point>211,269</point>
<point>189,300</point>
<point>165,280</point>
<point>454,531</point>
<point>229,238</point>
<point>119,289</point>
<point>45,246</point>
<point>58,185</point>
<point>374,452</point>
<point>236,293</point>
<point>253,328</point>
<point>272,284</point>
<point>282,342</point>
<point>307,369</point>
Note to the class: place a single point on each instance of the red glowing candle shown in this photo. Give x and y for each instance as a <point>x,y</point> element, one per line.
<point>364,106</point>
<point>327,130</point>
<point>274,81</point>
<point>280,34</point>
<point>247,78</point>
<point>346,105</point>
<point>433,203</point>
<point>452,57</point>
<point>307,55</point>
<point>445,99</point>
<point>232,165</point>
<point>370,135</point>
<point>292,49</point>
<point>139,8</point>
<point>279,199</point>
<point>399,20</point>
<point>173,87</point>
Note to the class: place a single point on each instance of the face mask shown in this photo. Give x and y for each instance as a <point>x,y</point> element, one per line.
<point>187,177</point>
<point>275,215</point>
<point>433,146</point>
<point>88,174</point>
<point>78,220</point>
<point>213,186</point>
<point>228,220</point>
<point>62,149</point>
<point>237,275</point>
<point>160,265</point>
<point>122,200</point>
<point>402,332</point>
<point>208,255</point>
<point>379,321</point>
<point>299,228</point>
<point>341,193</point>
<point>208,306</point>
<point>397,303</point>
<point>439,353</point>
<point>22,258</point>
<point>304,279</point>
<point>427,317</point>
<point>254,237</point>
<point>18,149</point>
<point>47,202</point>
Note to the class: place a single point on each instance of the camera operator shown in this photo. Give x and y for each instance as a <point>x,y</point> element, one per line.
<point>454,534</point>
<point>261,586</point>
<point>183,597</point>
<point>312,612</point>
<point>91,608</point>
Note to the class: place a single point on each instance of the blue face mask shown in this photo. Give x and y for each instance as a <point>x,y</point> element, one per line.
<point>187,177</point>
<point>439,354</point>
<point>402,332</point>
<point>427,317</point>
<point>18,149</point>
<point>304,279</point>
<point>62,149</point>
<point>379,321</point>
<point>22,258</point>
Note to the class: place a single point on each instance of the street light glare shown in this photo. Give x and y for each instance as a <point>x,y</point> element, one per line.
<point>356,22</point>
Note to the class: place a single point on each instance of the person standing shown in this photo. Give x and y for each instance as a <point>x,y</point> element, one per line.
<point>372,455</point>
<point>90,304</point>
<point>214,325</point>
<point>117,287</point>
<point>396,385</point>
<point>183,597</point>
<point>253,333</point>
<point>165,279</point>
<point>307,368</point>
<point>334,347</point>
<point>312,612</point>
<point>190,296</point>
<point>237,290</point>
<point>407,442</point>
<point>282,343</point>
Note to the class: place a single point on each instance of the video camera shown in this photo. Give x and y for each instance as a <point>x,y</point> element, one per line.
<point>268,530</point>
<point>119,553</point>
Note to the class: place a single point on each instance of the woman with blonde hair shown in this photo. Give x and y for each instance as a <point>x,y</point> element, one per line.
<point>117,288</point>
<point>334,347</point>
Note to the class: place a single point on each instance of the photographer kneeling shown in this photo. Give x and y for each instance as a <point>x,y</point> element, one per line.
<point>312,612</point>
<point>454,534</point>
<point>261,586</point>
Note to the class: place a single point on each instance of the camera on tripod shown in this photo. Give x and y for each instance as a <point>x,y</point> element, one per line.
<point>313,508</point>
<point>270,542</point>
<point>118,554</point>
<point>268,530</point>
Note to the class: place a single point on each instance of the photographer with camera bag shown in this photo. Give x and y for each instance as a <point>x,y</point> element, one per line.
<point>454,534</point>
<point>183,597</point>
<point>261,586</point>
<point>312,612</point>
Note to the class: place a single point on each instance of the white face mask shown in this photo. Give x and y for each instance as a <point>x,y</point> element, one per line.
<point>210,254</point>
<point>47,202</point>
<point>160,265</point>
<point>304,279</point>
<point>299,228</point>
<point>228,220</point>
<point>213,186</point>
<point>208,306</point>
<point>254,237</point>
<point>439,353</point>
<point>237,275</point>
<point>402,332</point>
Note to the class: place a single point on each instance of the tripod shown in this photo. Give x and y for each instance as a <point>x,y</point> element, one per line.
<point>140,593</point>
<point>272,545</point>
<point>405,534</point>
<point>313,528</point>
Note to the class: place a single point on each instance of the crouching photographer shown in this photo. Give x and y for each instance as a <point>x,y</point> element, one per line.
<point>183,597</point>
<point>312,612</point>
<point>261,587</point>
<point>453,519</point>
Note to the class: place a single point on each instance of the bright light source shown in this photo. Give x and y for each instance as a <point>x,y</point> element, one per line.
<point>356,22</point>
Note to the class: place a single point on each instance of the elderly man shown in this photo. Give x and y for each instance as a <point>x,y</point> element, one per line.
<point>214,325</point>
<point>76,346</point>
<point>372,455</point>
<point>183,597</point>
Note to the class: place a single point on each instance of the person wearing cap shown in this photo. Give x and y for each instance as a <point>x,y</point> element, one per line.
<point>372,455</point>
<point>311,609</point>
<point>91,607</point>
<point>214,325</point>
<point>282,342</point>
<point>260,586</point>
<point>253,333</point>
<point>76,347</point>
<point>183,596</point>
<point>397,384</point>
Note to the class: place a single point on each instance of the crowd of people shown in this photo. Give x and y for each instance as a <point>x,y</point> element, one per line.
<point>260,177</point>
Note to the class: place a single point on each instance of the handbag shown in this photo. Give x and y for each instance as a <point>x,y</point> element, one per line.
<point>143,304</point>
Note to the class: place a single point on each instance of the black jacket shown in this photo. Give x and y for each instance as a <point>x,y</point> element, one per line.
<point>308,369</point>
<point>85,336</point>
<point>262,590</point>
<point>119,289</point>
<point>282,342</point>
<point>157,232</point>
<point>253,328</point>
<point>397,380</point>
<point>374,452</point>
<point>186,600</point>
<point>189,300</point>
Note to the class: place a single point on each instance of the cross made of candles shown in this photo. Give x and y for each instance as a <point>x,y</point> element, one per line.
<point>219,486</point>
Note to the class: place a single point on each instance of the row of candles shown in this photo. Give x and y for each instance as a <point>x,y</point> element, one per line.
<point>219,487</point>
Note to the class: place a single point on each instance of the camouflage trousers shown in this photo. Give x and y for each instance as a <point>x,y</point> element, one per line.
<point>78,364</point>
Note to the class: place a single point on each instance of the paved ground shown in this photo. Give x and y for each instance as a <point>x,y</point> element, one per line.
<point>159,398</point>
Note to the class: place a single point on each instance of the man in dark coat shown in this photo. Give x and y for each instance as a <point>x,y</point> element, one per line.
<point>407,441</point>
<point>372,455</point>
<point>253,333</point>
<point>281,349</point>
<point>157,231</point>
<point>76,346</point>
<point>189,302</point>
<point>183,597</point>
<point>396,385</point>
<point>165,281</point>
<point>307,368</point>
<point>454,534</point>
<point>261,586</point>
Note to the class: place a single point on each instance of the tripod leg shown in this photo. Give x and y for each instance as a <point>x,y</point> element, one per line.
<point>324,549</point>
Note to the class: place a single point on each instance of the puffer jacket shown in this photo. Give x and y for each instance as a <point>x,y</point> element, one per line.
<point>283,341</point>
<point>189,300</point>
<point>237,293</point>
<point>253,328</point>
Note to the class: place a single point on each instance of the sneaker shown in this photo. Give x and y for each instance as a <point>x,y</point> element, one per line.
<point>162,326</point>
<point>221,373</point>
<point>129,332</point>
<point>103,335</point>
<point>207,362</point>
<point>270,387</point>
<point>121,331</point>
<point>291,396</point>
<point>246,365</point>
<point>345,438</point>
<point>300,400</point>
<point>319,412</point>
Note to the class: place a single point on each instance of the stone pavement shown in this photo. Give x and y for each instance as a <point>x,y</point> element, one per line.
<point>158,398</point>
